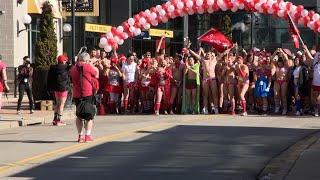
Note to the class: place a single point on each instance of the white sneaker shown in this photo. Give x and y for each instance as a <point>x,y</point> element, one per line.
<point>216,111</point>
<point>157,113</point>
<point>298,113</point>
<point>284,112</point>
<point>244,114</point>
<point>316,113</point>
<point>18,112</point>
<point>205,111</point>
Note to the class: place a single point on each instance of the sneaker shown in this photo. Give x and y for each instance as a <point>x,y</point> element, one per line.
<point>298,113</point>
<point>31,111</point>
<point>88,138</point>
<point>205,111</point>
<point>157,113</point>
<point>316,113</point>
<point>216,111</point>
<point>60,123</point>
<point>277,110</point>
<point>284,112</point>
<point>171,113</point>
<point>244,114</point>
<point>81,139</point>
<point>18,112</point>
<point>233,113</point>
<point>166,112</point>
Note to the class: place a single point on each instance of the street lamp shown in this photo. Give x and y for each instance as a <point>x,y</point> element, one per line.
<point>67,28</point>
<point>26,20</point>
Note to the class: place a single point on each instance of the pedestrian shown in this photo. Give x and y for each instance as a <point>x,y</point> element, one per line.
<point>82,75</point>
<point>59,83</point>
<point>25,83</point>
<point>3,80</point>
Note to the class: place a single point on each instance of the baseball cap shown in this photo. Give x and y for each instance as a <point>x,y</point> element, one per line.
<point>62,58</point>
<point>84,57</point>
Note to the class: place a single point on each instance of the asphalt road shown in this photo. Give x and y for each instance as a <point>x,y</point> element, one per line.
<point>219,147</point>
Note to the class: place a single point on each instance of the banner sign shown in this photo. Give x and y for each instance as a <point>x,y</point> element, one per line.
<point>88,8</point>
<point>159,33</point>
<point>97,28</point>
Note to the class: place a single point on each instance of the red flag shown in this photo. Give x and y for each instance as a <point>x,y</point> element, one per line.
<point>216,39</point>
<point>294,32</point>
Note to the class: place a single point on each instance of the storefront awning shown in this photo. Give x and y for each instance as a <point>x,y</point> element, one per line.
<point>34,7</point>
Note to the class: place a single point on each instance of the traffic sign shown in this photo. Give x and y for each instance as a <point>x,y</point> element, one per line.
<point>160,32</point>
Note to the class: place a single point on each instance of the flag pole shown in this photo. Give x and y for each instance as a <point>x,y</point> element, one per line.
<point>297,28</point>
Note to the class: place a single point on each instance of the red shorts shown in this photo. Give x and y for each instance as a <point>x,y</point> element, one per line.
<point>316,88</point>
<point>60,94</point>
<point>114,89</point>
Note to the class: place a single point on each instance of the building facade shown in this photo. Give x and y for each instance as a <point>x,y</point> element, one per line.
<point>15,45</point>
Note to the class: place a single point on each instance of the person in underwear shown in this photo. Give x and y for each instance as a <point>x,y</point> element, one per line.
<point>242,72</point>
<point>176,84</point>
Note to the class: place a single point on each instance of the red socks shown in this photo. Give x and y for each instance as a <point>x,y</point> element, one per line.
<point>244,105</point>
<point>157,106</point>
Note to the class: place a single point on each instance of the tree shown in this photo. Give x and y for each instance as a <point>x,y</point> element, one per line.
<point>225,26</point>
<point>46,46</point>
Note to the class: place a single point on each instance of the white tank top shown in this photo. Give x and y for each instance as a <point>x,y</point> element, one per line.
<point>296,72</point>
<point>129,71</point>
<point>316,74</point>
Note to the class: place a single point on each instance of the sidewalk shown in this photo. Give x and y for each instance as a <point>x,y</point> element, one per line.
<point>10,119</point>
<point>307,165</point>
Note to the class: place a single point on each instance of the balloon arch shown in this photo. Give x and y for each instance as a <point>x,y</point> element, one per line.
<point>179,8</point>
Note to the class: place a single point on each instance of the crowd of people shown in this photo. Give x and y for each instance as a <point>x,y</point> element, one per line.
<point>207,82</point>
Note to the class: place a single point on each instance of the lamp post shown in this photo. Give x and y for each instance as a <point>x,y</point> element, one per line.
<point>26,20</point>
<point>73,24</point>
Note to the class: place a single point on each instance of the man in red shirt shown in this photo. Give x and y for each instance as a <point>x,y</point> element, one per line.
<point>85,92</point>
<point>3,80</point>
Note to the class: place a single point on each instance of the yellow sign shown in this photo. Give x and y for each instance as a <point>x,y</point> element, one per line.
<point>97,28</point>
<point>160,32</point>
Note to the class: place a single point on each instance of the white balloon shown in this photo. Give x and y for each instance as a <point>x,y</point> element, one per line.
<point>148,12</point>
<point>120,29</point>
<point>300,21</point>
<point>103,41</point>
<point>180,5</point>
<point>257,6</point>
<point>319,29</point>
<point>162,12</point>
<point>121,41</point>
<point>191,12</point>
<point>101,45</point>
<point>293,8</point>
<point>170,8</point>
<point>154,23</point>
<point>189,4</point>
<point>164,20</point>
<point>210,10</point>
<point>199,2</point>
<point>146,26</point>
<point>270,11</point>
<point>108,48</point>
<point>131,21</point>
<point>234,9</point>
<point>154,15</point>
<point>270,3</point>
<point>311,25</point>
<point>304,13</point>
<point>109,35</point>
<point>158,8</point>
<point>281,13</point>
<point>210,2</point>
<point>282,5</point>
<point>142,21</point>
<point>125,36</point>
<point>116,39</point>
<point>200,11</point>
<point>132,29</point>
<point>137,32</point>
<point>316,17</point>
<point>241,6</point>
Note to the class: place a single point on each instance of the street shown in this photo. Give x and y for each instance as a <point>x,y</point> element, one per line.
<point>149,147</point>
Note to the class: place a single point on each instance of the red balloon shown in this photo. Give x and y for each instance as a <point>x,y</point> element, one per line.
<point>275,7</point>
<point>300,8</point>
<point>164,7</point>
<point>114,30</point>
<point>311,13</point>
<point>176,13</point>
<point>125,26</point>
<point>317,24</point>
<point>111,42</point>
<point>288,6</point>
<point>153,9</point>
<point>149,19</point>
<point>265,7</point>
<point>136,18</point>
<point>306,20</point>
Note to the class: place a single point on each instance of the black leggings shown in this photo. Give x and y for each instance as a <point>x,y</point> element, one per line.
<point>22,88</point>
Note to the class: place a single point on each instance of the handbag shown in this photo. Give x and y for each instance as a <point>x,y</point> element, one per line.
<point>85,109</point>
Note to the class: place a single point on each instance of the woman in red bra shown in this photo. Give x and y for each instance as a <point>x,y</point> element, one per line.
<point>280,71</point>
<point>242,72</point>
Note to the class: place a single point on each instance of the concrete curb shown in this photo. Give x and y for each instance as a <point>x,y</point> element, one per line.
<point>279,167</point>
<point>29,121</point>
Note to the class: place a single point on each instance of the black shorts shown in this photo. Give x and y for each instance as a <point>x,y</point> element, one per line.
<point>88,99</point>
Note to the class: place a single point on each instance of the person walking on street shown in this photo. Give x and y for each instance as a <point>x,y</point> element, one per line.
<point>3,80</point>
<point>59,82</point>
<point>82,74</point>
<point>25,83</point>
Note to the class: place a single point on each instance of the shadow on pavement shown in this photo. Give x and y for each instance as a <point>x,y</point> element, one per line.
<point>182,152</point>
